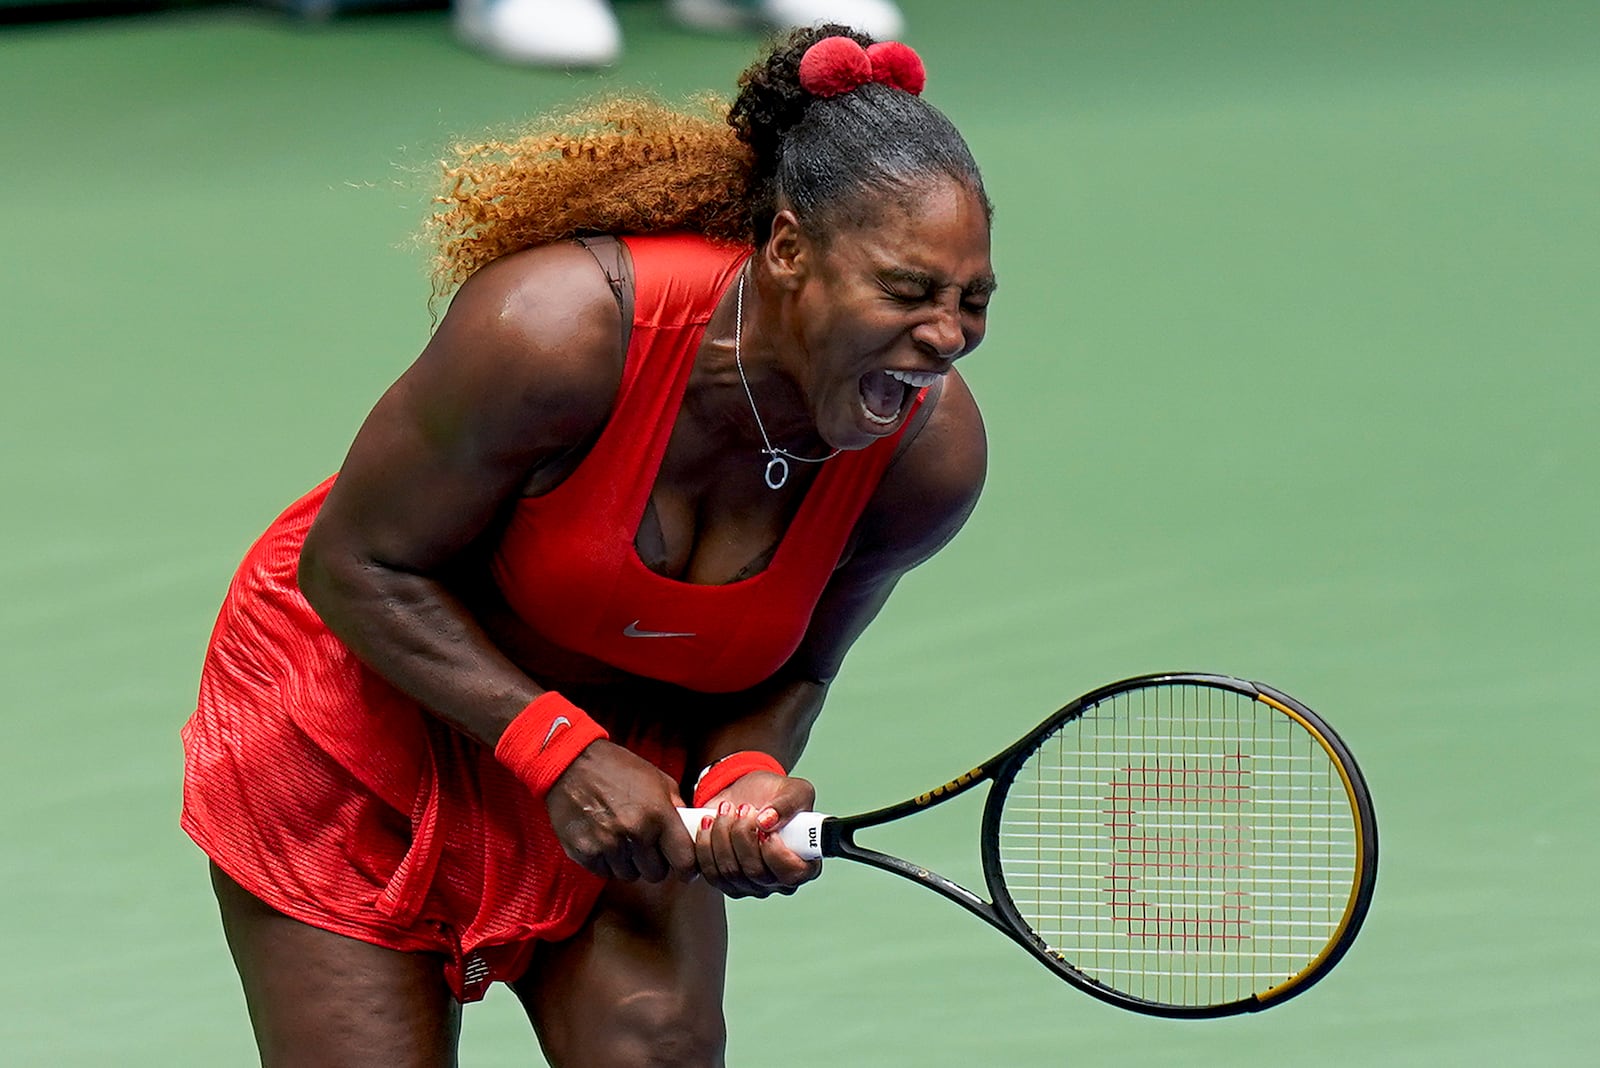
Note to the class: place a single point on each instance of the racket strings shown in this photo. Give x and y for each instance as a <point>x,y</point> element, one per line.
<point>1182,844</point>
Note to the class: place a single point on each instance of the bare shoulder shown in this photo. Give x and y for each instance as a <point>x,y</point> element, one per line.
<point>525,365</point>
<point>933,484</point>
<point>533,334</point>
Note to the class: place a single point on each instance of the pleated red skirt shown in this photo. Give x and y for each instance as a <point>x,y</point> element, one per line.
<point>338,801</point>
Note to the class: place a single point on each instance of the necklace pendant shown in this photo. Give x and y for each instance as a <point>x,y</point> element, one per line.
<point>777,472</point>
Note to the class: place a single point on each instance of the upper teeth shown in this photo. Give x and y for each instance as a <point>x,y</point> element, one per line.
<point>915,379</point>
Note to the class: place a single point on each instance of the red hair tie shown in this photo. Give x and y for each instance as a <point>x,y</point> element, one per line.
<point>837,65</point>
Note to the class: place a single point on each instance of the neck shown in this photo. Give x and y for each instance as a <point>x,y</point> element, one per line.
<point>716,398</point>
<point>773,391</point>
<point>776,472</point>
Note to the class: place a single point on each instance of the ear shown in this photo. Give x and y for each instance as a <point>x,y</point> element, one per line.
<point>789,253</point>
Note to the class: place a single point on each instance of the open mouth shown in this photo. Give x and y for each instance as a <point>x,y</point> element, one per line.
<point>884,394</point>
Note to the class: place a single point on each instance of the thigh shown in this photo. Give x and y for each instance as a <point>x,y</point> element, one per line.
<point>641,984</point>
<point>321,1000</point>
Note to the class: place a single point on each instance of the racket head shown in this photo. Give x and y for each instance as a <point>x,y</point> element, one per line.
<point>1182,845</point>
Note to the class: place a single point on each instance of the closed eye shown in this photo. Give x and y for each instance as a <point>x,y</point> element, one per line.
<point>912,288</point>
<point>907,296</point>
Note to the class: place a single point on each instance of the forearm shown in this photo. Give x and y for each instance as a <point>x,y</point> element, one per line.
<point>779,724</point>
<point>414,632</point>
<point>748,796</point>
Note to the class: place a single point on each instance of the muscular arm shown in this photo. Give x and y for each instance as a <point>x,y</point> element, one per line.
<point>524,365</point>
<point>924,499</point>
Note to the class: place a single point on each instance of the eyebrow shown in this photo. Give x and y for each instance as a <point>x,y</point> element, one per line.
<point>983,285</point>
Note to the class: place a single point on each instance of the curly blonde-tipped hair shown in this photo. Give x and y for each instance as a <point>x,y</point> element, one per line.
<point>619,165</point>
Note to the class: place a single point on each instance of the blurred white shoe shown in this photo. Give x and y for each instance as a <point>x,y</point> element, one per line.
<point>550,33</point>
<point>879,18</point>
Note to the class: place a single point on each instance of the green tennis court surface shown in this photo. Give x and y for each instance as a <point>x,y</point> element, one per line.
<point>1291,376</point>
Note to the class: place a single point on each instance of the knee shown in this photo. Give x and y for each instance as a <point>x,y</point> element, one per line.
<point>666,1029</point>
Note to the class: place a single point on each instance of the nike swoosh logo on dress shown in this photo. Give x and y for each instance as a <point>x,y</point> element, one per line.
<point>632,631</point>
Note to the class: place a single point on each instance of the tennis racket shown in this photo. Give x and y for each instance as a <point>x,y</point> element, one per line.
<point>1179,845</point>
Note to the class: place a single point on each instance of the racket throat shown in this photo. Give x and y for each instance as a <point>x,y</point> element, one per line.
<point>839,841</point>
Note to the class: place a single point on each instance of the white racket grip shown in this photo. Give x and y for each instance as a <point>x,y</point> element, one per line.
<point>803,834</point>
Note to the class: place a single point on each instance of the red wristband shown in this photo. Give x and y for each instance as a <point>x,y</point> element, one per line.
<point>724,773</point>
<point>544,740</point>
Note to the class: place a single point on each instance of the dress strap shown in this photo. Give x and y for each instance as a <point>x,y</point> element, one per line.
<point>614,262</point>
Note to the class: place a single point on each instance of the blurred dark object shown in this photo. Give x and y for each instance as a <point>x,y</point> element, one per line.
<point>327,9</point>
<point>18,11</point>
<point>13,11</point>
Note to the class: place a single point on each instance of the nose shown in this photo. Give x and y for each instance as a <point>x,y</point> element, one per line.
<point>940,334</point>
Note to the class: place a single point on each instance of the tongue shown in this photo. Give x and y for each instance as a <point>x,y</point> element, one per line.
<point>881,394</point>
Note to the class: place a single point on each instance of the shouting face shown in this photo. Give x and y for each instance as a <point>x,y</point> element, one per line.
<point>884,305</point>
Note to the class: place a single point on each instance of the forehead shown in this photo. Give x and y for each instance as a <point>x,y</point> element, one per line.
<point>938,227</point>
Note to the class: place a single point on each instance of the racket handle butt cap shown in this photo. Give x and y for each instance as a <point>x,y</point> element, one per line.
<point>803,834</point>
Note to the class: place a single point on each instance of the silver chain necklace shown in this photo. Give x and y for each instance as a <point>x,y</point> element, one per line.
<point>777,472</point>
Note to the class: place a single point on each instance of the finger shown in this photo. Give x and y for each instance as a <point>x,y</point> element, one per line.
<point>704,858</point>
<point>620,860</point>
<point>791,796</point>
<point>588,856</point>
<point>679,850</point>
<point>745,838</point>
<point>729,874</point>
<point>802,871</point>
<point>724,866</point>
<point>648,859</point>
<point>785,865</point>
<point>595,864</point>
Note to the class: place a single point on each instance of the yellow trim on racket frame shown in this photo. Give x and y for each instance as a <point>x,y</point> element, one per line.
<point>1361,853</point>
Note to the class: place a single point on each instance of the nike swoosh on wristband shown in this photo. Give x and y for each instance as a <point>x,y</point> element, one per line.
<point>561,721</point>
<point>632,631</point>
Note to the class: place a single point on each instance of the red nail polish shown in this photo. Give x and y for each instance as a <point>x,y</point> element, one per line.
<point>768,819</point>
<point>705,823</point>
<point>725,808</point>
<point>744,811</point>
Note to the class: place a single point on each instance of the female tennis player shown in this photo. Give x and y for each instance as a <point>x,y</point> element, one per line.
<point>597,554</point>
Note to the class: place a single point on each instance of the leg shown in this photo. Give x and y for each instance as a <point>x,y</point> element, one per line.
<point>321,1000</point>
<point>640,985</point>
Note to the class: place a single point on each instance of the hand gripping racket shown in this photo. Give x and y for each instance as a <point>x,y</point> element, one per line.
<point>1178,845</point>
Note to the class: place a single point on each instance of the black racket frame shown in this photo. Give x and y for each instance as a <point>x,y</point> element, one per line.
<point>837,839</point>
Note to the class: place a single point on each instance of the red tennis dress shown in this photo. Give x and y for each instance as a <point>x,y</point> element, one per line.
<point>338,800</point>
